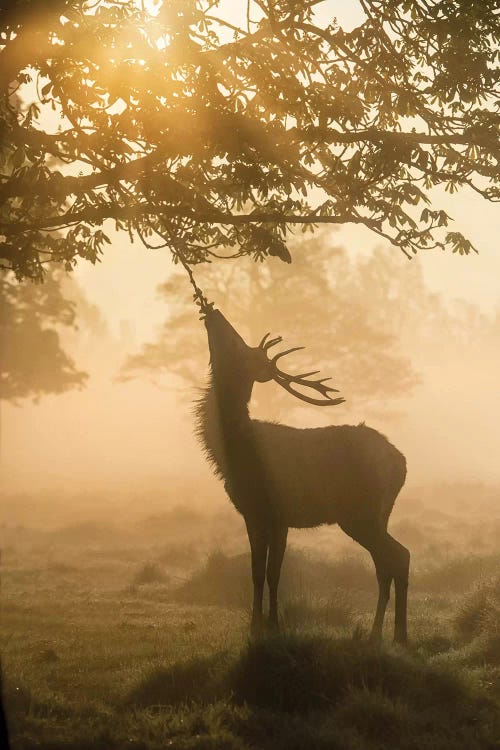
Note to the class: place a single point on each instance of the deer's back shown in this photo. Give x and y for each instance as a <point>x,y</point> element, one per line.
<point>328,474</point>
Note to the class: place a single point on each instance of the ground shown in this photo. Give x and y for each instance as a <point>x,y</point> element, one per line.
<point>133,632</point>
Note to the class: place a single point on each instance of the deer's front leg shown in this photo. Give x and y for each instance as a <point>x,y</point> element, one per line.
<point>258,537</point>
<point>277,546</point>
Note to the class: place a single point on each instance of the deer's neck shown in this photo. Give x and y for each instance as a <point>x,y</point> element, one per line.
<point>223,423</point>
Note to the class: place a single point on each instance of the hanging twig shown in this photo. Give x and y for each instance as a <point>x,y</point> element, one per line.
<point>198,296</point>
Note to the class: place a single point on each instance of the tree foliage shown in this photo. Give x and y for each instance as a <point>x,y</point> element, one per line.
<point>215,136</point>
<point>32,360</point>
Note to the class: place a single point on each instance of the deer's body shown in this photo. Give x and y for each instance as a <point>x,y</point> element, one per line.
<point>307,477</point>
<point>280,477</point>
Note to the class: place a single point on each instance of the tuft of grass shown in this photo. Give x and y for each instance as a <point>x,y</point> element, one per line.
<point>376,716</point>
<point>329,612</point>
<point>479,610</point>
<point>149,572</point>
<point>435,644</point>
<point>388,697</point>
<point>222,580</point>
<point>226,581</point>
<point>48,656</point>
<point>457,574</point>
<point>477,621</point>
<point>179,555</point>
<point>299,673</point>
<point>196,679</point>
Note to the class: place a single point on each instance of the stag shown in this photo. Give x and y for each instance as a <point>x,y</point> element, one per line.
<point>280,477</point>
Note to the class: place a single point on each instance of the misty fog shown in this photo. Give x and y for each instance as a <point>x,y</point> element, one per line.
<point>136,437</point>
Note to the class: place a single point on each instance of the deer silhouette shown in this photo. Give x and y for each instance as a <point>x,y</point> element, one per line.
<point>280,477</point>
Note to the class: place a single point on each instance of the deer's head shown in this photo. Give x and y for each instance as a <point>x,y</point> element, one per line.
<point>235,363</point>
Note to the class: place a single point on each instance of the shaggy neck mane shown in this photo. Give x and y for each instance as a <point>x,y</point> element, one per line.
<point>220,418</point>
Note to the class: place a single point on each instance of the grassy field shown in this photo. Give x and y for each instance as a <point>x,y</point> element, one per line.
<point>130,631</point>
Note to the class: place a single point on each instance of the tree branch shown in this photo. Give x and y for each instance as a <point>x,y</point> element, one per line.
<point>126,213</point>
<point>64,186</point>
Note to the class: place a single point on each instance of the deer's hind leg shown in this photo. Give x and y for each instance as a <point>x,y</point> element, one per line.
<point>371,538</point>
<point>401,568</point>
<point>277,546</point>
<point>259,542</point>
<point>384,580</point>
<point>392,562</point>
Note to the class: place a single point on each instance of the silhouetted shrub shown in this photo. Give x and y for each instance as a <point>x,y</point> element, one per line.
<point>150,572</point>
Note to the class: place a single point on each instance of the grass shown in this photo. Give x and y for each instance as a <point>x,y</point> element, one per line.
<point>125,643</point>
<point>330,612</point>
<point>272,693</point>
<point>458,573</point>
<point>224,580</point>
<point>479,611</point>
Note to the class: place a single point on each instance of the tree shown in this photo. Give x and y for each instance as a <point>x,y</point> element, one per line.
<point>32,360</point>
<point>345,311</point>
<point>214,136</point>
<point>370,322</point>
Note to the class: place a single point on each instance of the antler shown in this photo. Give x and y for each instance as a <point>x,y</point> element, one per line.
<point>265,344</point>
<point>287,381</point>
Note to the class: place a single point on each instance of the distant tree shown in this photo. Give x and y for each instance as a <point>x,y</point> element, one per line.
<point>32,359</point>
<point>207,136</point>
<point>370,321</point>
<point>341,308</point>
